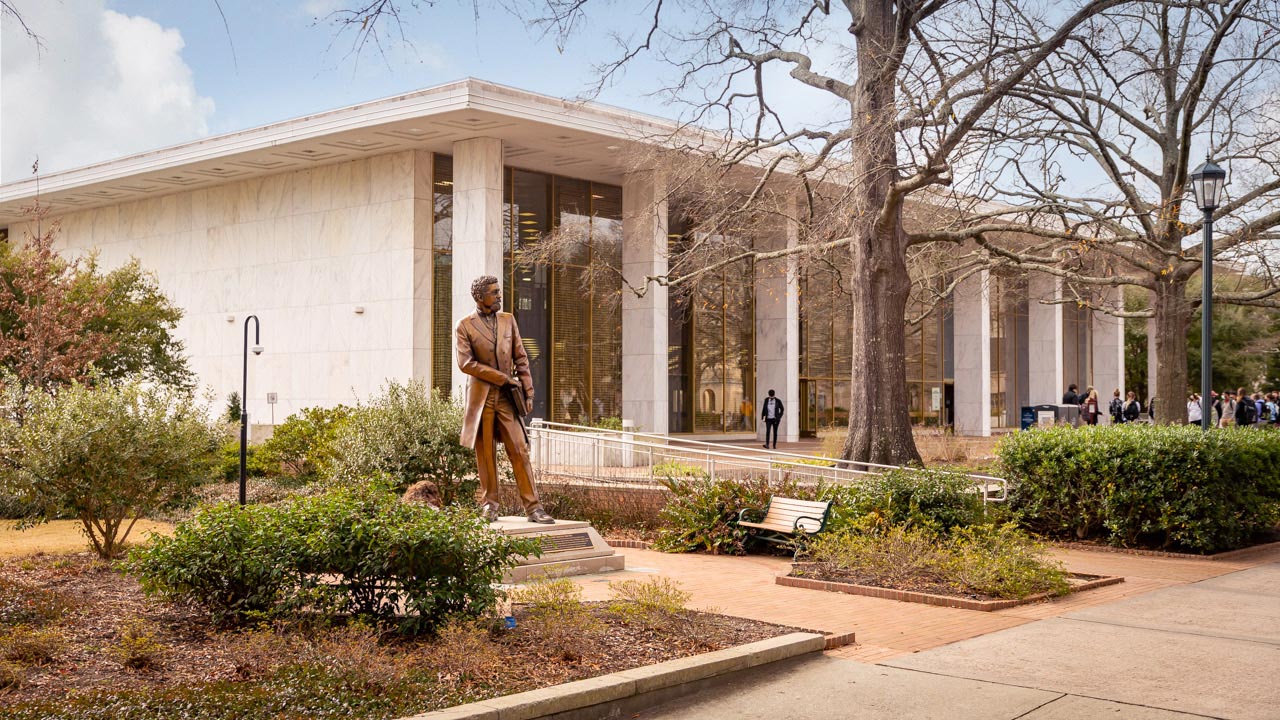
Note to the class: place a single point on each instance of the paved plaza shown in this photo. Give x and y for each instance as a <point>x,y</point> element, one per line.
<point>1179,638</point>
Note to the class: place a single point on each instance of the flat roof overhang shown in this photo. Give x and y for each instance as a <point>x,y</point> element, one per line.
<point>582,139</point>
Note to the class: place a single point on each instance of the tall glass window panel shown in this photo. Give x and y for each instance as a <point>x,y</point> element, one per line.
<point>442,359</point>
<point>529,297</point>
<point>606,315</point>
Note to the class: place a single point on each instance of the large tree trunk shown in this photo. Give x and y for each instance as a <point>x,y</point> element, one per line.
<point>1172,317</point>
<point>879,418</point>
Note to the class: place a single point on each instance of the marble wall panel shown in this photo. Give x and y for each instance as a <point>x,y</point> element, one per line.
<point>972,355</point>
<point>300,250</point>
<point>645,397</point>
<point>1045,378</point>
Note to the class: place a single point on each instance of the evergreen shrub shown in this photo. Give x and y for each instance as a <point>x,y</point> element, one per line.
<point>1139,485</point>
<point>350,551</point>
<point>408,433</point>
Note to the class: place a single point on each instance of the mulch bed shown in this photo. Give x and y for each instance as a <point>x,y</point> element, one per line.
<point>814,576</point>
<point>102,604</point>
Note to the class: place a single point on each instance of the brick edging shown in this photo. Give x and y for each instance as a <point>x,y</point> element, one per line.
<point>929,598</point>
<point>1225,555</point>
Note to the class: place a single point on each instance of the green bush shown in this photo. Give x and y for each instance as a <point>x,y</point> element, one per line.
<point>935,499</point>
<point>228,559</point>
<point>702,514</point>
<point>408,433</point>
<point>228,469</point>
<point>352,550</point>
<point>108,455</point>
<point>1157,486</point>
<point>302,444</point>
<point>362,552</point>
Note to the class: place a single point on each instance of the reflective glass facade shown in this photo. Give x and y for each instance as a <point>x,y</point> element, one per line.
<point>571,321</point>
<point>826,353</point>
<point>929,368</point>
<point>1009,377</point>
<point>711,348</point>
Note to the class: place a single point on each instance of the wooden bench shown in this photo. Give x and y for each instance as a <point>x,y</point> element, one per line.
<point>787,518</point>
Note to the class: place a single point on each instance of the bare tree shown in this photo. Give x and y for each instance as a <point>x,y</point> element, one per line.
<point>1098,146</point>
<point>909,81</point>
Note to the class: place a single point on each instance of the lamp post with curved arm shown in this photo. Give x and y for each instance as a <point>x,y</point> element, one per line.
<point>244,397</point>
<point>1207,182</point>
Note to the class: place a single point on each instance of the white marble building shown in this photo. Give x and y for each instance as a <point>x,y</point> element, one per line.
<point>354,234</point>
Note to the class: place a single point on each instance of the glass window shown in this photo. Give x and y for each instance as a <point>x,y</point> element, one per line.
<point>442,273</point>
<point>711,346</point>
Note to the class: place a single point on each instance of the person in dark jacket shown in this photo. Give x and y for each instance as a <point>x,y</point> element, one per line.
<point>1246,411</point>
<point>1132,408</point>
<point>1071,397</point>
<point>771,411</point>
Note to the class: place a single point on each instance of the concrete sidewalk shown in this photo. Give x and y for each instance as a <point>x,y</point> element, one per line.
<point>1182,638</point>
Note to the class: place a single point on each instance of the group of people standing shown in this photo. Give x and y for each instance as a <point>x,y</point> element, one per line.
<point>1124,410</point>
<point>1238,407</point>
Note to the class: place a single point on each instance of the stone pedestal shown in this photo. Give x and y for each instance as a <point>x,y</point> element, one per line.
<point>569,547</point>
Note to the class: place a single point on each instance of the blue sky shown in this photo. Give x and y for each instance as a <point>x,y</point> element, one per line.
<point>122,76</point>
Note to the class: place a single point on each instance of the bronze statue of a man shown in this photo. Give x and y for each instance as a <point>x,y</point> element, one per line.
<point>490,350</point>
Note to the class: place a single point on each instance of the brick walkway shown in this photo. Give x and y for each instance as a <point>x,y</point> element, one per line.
<point>744,587</point>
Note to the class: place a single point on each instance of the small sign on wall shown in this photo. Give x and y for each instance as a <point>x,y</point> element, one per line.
<point>935,399</point>
<point>271,398</point>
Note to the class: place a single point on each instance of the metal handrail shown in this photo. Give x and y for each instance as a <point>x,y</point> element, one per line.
<point>716,456</point>
<point>667,440</point>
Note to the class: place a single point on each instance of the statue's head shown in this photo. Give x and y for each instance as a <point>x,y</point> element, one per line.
<point>487,293</point>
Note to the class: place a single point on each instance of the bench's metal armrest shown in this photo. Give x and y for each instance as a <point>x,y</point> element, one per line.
<point>742,514</point>
<point>795,528</point>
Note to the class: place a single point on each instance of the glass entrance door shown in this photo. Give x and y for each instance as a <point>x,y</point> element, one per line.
<point>808,408</point>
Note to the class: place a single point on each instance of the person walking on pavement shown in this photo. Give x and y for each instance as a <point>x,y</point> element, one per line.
<point>1194,412</point>
<point>771,412</point>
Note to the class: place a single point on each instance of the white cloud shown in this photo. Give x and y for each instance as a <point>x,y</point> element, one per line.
<point>104,85</point>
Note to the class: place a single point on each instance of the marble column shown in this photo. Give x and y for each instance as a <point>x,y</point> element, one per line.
<point>1108,346</point>
<point>777,303</point>
<point>1045,381</point>
<point>644,319</point>
<point>423,278</point>
<point>972,352</point>
<point>477,226</point>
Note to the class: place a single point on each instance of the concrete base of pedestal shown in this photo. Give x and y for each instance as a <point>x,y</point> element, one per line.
<point>569,547</point>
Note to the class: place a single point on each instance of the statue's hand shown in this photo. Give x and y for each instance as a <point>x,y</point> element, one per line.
<point>528,406</point>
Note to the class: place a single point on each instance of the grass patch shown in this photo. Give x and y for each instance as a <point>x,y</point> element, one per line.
<point>59,537</point>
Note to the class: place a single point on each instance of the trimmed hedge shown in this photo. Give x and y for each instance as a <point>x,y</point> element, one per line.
<point>351,551</point>
<point>1155,486</point>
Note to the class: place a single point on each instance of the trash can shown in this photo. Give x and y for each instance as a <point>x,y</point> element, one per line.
<point>1049,415</point>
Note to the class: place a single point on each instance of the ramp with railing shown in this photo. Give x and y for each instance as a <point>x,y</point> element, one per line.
<point>577,454</point>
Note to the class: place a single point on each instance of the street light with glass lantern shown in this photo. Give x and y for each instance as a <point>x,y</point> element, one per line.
<point>244,397</point>
<point>1207,182</point>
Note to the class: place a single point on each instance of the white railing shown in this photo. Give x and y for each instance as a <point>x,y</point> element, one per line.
<point>624,457</point>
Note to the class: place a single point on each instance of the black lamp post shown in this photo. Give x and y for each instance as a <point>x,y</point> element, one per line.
<point>1207,182</point>
<point>244,396</point>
